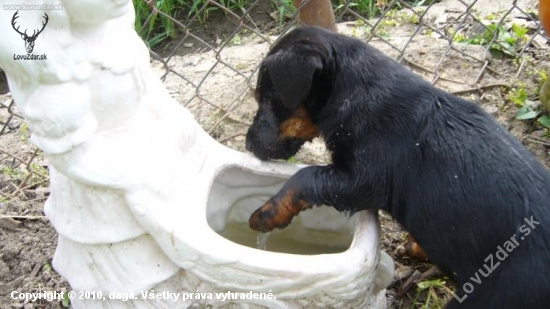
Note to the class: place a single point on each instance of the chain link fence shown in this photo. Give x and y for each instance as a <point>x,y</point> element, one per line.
<point>466,47</point>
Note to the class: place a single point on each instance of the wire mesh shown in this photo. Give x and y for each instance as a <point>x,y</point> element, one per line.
<point>490,46</point>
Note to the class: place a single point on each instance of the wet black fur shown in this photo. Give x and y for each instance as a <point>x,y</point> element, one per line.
<point>440,165</point>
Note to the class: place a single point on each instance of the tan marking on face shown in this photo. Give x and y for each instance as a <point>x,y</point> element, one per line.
<point>299,126</point>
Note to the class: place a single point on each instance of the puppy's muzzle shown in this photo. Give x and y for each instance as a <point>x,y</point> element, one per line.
<point>262,136</point>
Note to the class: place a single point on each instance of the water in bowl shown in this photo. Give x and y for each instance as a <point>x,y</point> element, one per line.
<point>294,239</point>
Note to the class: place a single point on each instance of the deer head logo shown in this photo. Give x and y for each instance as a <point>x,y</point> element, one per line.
<point>29,40</point>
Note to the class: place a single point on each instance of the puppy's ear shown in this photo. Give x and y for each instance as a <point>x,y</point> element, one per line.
<point>292,75</point>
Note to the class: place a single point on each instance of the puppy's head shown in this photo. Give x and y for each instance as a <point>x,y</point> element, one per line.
<point>286,93</point>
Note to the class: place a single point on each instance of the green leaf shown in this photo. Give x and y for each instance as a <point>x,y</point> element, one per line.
<point>65,301</point>
<point>510,40</point>
<point>545,121</point>
<point>507,37</point>
<point>426,284</point>
<point>384,35</point>
<point>156,39</point>
<point>528,115</point>
<point>519,97</point>
<point>523,110</point>
<point>497,53</point>
<point>519,31</point>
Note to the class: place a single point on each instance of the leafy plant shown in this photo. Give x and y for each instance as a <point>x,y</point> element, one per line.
<point>497,38</point>
<point>236,40</point>
<point>544,121</point>
<point>526,112</point>
<point>46,266</point>
<point>432,288</point>
<point>38,168</point>
<point>12,173</point>
<point>518,96</point>
<point>24,132</point>
<point>66,301</point>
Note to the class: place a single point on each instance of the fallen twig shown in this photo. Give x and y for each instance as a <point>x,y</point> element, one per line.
<point>479,88</point>
<point>24,217</point>
<point>13,194</point>
<point>9,223</point>
<point>537,140</point>
<point>230,137</point>
<point>520,67</point>
<point>13,156</point>
<point>408,285</point>
<point>38,199</point>
<point>35,270</point>
<point>417,277</point>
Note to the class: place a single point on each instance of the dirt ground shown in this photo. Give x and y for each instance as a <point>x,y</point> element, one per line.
<point>224,105</point>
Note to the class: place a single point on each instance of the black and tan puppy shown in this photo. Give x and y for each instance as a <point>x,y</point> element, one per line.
<point>472,196</point>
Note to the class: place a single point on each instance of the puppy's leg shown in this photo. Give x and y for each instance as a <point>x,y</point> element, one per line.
<point>314,185</point>
<point>413,249</point>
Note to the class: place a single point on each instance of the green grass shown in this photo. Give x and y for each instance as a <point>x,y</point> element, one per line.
<point>365,8</point>
<point>285,10</point>
<point>159,27</point>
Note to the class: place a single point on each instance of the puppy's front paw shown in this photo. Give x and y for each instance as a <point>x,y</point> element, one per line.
<point>276,213</point>
<point>267,218</point>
